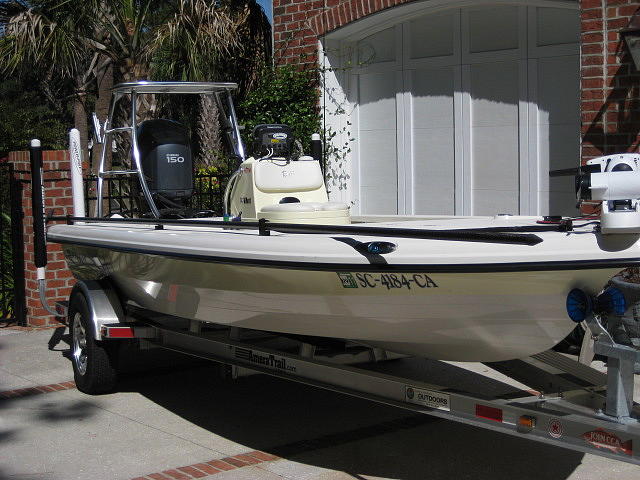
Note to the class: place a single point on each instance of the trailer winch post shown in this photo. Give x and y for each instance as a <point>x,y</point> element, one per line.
<point>39,221</point>
<point>620,371</point>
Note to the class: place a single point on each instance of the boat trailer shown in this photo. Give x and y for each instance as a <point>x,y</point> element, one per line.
<point>548,397</point>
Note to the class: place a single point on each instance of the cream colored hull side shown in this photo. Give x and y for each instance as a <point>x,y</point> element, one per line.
<point>466,316</point>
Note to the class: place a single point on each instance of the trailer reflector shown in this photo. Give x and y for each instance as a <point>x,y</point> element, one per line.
<point>526,423</point>
<point>490,413</point>
<point>109,331</point>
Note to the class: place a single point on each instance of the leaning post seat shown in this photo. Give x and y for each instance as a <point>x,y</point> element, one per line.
<point>295,193</point>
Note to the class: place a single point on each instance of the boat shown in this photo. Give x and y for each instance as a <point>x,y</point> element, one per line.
<point>285,259</point>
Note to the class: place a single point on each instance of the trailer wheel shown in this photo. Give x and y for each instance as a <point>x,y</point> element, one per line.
<point>93,361</point>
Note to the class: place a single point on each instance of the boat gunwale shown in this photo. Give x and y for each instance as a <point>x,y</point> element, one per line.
<point>497,267</point>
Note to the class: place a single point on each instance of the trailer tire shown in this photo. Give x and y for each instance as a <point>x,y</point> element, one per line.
<point>93,361</point>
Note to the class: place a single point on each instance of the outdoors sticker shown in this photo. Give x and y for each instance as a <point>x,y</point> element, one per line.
<point>428,398</point>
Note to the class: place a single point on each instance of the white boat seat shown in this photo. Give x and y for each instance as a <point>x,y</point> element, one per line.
<point>293,177</point>
<point>327,213</point>
<point>305,207</point>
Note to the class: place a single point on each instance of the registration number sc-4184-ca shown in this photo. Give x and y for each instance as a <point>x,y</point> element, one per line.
<point>386,280</point>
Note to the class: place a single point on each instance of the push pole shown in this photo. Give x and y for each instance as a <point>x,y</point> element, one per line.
<point>39,221</point>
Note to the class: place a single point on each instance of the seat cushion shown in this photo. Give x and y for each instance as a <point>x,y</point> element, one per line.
<point>305,207</point>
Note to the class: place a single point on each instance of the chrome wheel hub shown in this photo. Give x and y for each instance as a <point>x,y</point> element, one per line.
<point>79,350</point>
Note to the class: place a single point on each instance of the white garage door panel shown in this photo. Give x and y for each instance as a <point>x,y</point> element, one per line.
<point>486,22</point>
<point>558,131</point>
<point>433,181</point>
<point>556,26</point>
<point>432,97</point>
<point>495,137</point>
<point>377,146</point>
<point>558,90</point>
<point>377,101</point>
<point>494,202</point>
<point>495,178</point>
<point>494,94</point>
<point>432,36</point>
<point>433,141</point>
<point>466,110</point>
<point>378,171</point>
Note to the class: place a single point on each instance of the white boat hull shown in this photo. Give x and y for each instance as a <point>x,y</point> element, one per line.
<point>470,310</point>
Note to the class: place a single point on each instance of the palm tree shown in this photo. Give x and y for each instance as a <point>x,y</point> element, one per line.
<point>205,41</point>
<point>45,36</point>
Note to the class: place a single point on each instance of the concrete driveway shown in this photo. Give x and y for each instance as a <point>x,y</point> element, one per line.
<point>178,422</point>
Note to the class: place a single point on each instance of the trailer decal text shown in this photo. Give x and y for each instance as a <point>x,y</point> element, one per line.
<point>600,438</point>
<point>270,361</point>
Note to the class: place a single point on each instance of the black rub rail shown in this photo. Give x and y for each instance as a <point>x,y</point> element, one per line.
<point>489,235</point>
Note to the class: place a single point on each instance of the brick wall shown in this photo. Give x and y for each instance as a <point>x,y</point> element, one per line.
<point>58,196</point>
<point>297,24</point>
<point>610,84</point>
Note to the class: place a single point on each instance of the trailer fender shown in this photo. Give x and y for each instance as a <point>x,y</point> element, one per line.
<point>104,305</point>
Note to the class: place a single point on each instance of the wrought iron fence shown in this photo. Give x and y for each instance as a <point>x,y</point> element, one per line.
<point>12,306</point>
<point>122,194</point>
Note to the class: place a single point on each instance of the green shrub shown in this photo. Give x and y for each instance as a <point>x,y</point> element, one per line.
<point>24,114</point>
<point>284,95</point>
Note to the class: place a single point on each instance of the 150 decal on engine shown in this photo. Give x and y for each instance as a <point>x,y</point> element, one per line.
<point>386,280</point>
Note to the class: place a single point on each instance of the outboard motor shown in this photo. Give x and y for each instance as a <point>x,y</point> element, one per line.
<point>165,154</point>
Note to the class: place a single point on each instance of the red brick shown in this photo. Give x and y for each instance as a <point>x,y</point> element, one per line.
<point>627,10</point>
<point>220,465</point>
<point>208,469</point>
<point>158,476</point>
<point>176,475</point>
<point>596,82</point>
<point>265,457</point>
<point>591,14</point>
<point>45,389</point>
<point>235,462</point>
<point>591,48</point>
<point>592,60</point>
<point>617,23</point>
<point>194,472</point>
<point>585,4</point>
<point>247,458</point>
<point>592,26</point>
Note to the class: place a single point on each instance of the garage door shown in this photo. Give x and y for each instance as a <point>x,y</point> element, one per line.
<point>465,111</point>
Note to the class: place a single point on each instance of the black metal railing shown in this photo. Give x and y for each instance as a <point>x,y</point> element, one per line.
<point>122,195</point>
<point>12,284</point>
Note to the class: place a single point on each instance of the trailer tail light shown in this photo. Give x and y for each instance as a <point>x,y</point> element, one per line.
<point>118,330</point>
<point>490,413</point>
<point>109,331</point>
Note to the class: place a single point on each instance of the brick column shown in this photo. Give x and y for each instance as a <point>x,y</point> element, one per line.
<point>610,83</point>
<point>58,197</point>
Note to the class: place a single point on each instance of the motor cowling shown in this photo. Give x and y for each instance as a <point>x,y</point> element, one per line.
<point>165,155</point>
